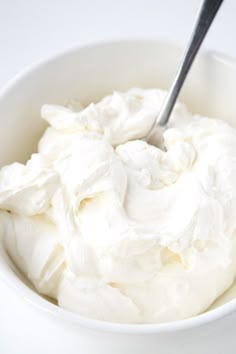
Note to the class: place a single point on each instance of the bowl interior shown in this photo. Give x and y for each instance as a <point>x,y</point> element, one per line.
<point>90,73</point>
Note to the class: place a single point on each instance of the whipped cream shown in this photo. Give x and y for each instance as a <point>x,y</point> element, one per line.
<point>116,229</point>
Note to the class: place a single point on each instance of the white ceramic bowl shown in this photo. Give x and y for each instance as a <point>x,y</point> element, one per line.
<point>28,323</point>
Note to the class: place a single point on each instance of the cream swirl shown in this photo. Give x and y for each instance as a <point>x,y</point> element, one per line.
<point>115,228</point>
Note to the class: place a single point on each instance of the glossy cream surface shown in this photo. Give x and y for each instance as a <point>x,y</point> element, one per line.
<point>115,228</point>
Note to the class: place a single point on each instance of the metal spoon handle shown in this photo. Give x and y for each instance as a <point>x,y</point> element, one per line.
<point>203,22</point>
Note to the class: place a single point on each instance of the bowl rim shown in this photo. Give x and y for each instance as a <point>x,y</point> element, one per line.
<point>8,276</point>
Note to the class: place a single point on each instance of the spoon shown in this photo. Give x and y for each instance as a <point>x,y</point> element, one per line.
<point>205,17</point>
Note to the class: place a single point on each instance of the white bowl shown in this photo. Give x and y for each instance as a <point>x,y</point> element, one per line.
<point>30,324</point>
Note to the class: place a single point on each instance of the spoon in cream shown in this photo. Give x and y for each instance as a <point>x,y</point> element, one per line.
<point>205,17</point>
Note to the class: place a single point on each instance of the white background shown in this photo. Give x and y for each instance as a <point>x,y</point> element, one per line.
<point>33,29</point>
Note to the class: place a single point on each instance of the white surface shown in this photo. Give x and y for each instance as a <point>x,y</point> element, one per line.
<point>36,326</point>
<point>32,29</point>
